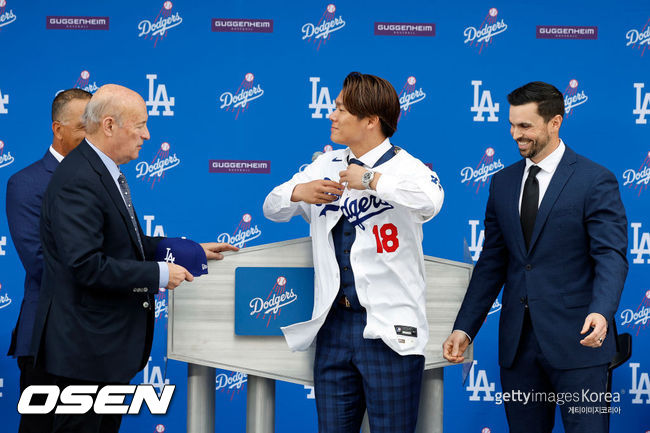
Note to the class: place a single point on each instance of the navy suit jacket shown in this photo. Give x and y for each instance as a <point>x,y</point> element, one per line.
<point>25,190</point>
<point>576,263</point>
<point>95,318</point>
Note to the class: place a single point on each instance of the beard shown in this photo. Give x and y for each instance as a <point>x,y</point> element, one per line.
<point>534,147</point>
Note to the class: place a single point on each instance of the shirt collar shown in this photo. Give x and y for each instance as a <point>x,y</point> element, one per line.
<point>550,163</point>
<point>113,169</point>
<point>371,157</point>
<point>56,154</point>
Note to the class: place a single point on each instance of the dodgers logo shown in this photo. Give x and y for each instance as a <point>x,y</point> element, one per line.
<point>637,318</point>
<point>271,307</point>
<point>154,171</point>
<point>484,104</point>
<point>320,101</point>
<point>639,39</point>
<point>159,99</point>
<point>243,233</point>
<point>410,95</point>
<point>5,300</point>
<point>3,243</point>
<point>162,307</point>
<point>480,175</point>
<point>239,100</point>
<point>642,108</point>
<point>358,210</point>
<point>479,383</point>
<point>640,245</point>
<point>232,383</point>
<point>6,16</point>
<point>496,307</point>
<point>315,155</point>
<point>4,101</point>
<point>153,375</point>
<point>476,240</point>
<point>83,82</point>
<point>5,158</point>
<point>482,35</point>
<point>640,384</point>
<point>160,428</point>
<point>573,97</point>
<point>638,179</point>
<point>321,31</point>
<point>157,29</point>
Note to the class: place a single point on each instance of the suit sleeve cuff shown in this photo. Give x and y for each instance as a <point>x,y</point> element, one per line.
<point>164,274</point>
<point>470,338</point>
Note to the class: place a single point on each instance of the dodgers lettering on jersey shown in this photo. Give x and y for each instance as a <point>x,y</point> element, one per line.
<point>386,256</point>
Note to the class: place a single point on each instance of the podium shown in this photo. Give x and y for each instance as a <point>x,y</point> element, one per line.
<point>201,333</point>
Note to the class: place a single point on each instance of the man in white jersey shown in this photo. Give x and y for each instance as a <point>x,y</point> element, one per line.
<point>366,205</point>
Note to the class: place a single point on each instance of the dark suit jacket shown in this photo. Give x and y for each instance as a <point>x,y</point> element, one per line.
<point>576,263</point>
<point>25,190</point>
<point>95,318</point>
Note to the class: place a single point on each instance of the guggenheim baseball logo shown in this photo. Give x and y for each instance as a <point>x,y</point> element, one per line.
<point>245,232</point>
<point>157,28</point>
<point>6,16</point>
<point>482,35</point>
<point>638,179</point>
<point>76,23</point>
<point>567,32</point>
<point>5,157</point>
<point>639,38</point>
<point>271,307</point>
<point>410,95</point>
<point>240,99</point>
<point>109,399</point>
<point>242,25</point>
<point>162,161</point>
<point>480,175</point>
<point>405,29</point>
<point>321,32</point>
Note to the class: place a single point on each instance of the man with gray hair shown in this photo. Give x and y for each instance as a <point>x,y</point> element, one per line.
<point>25,191</point>
<point>96,312</point>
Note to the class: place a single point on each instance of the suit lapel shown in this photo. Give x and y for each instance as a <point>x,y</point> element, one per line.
<point>111,189</point>
<point>562,174</point>
<point>49,162</point>
<point>513,194</point>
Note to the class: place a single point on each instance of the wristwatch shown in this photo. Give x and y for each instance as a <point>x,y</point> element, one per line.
<point>367,177</point>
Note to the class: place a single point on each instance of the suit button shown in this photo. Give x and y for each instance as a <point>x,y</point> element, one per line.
<point>345,268</point>
<point>145,304</point>
<point>529,267</point>
<point>522,300</point>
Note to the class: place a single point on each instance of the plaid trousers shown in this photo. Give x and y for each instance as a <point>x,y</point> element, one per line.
<point>352,374</point>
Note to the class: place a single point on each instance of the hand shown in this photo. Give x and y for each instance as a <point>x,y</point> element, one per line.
<point>454,347</point>
<point>212,249</point>
<point>599,324</point>
<point>317,191</point>
<point>352,175</point>
<point>177,274</point>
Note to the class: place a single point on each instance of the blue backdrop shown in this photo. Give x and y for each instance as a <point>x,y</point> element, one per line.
<point>239,93</point>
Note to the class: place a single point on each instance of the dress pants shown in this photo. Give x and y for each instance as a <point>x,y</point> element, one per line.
<point>352,374</point>
<point>30,375</point>
<point>89,422</point>
<point>546,386</point>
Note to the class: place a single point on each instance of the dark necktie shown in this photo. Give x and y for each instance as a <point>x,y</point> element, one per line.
<point>126,194</point>
<point>529,204</point>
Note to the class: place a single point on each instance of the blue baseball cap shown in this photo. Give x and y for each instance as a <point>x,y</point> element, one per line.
<point>183,252</point>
